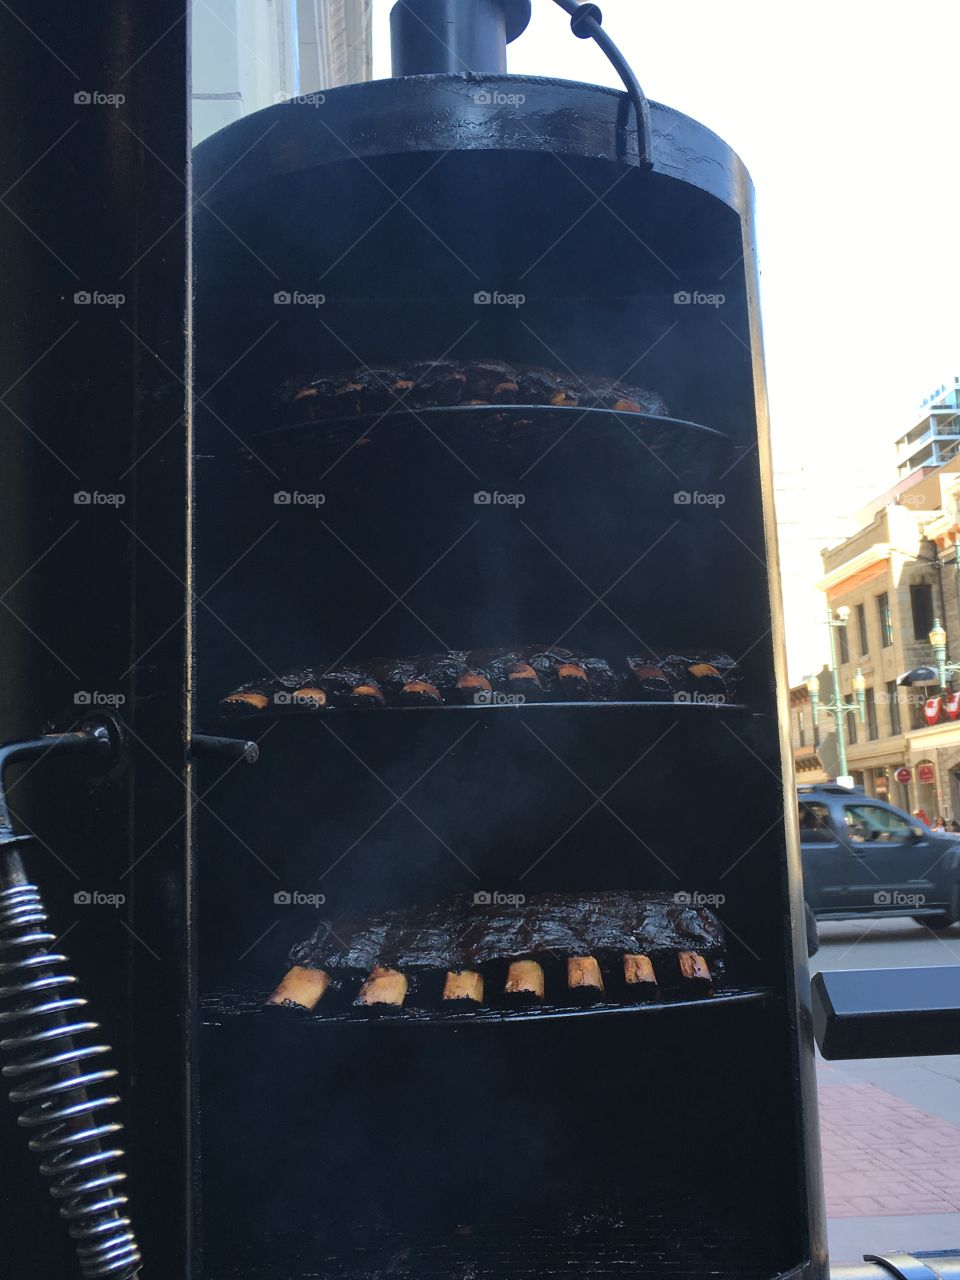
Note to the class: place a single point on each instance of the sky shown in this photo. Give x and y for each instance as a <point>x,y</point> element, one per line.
<point>846,114</point>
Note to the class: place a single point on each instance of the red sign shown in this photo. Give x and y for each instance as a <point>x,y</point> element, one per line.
<point>903,774</point>
<point>925,773</point>
<point>931,710</point>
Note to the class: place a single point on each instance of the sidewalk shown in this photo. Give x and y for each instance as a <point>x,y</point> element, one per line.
<point>891,1154</point>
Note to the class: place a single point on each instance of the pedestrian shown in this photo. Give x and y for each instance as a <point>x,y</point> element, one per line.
<point>919,813</point>
<point>939,825</point>
<point>954,826</point>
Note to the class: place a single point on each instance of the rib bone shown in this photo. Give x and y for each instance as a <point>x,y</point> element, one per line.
<point>584,972</point>
<point>525,977</point>
<point>302,987</point>
<point>465,985</point>
<point>638,970</point>
<point>384,986</point>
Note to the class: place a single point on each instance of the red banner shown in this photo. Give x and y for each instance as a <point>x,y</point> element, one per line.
<point>932,708</point>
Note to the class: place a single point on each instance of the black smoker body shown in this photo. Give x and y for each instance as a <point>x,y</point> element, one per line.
<point>663,1141</point>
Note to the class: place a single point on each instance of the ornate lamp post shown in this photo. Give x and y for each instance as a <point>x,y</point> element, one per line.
<point>837,707</point>
<point>938,639</point>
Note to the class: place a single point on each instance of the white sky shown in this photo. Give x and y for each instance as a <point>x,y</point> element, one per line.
<point>846,114</point>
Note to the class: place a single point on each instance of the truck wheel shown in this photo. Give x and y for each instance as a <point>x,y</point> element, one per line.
<point>813,932</point>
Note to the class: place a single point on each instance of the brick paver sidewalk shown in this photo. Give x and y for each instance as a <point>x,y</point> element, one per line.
<point>883,1156</point>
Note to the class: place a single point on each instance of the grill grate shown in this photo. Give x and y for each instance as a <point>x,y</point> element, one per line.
<point>245,1007</point>
<point>495,428</point>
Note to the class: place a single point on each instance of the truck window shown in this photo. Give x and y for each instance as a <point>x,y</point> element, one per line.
<point>814,822</point>
<point>868,822</point>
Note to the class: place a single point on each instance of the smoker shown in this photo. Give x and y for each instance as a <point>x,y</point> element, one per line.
<point>478,376</point>
<point>426,230</point>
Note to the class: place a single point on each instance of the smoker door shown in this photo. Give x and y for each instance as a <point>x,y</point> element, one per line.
<point>93,560</point>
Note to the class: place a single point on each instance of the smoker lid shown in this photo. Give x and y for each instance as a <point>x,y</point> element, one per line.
<point>443,113</point>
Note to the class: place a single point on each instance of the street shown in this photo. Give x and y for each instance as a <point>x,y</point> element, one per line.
<point>890,1127</point>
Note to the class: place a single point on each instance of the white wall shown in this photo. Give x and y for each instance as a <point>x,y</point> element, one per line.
<point>249,54</point>
<point>245,55</point>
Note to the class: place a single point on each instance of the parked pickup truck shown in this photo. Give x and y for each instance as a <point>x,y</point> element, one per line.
<point>864,858</point>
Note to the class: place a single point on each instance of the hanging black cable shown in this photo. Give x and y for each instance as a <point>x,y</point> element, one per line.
<point>586,22</point>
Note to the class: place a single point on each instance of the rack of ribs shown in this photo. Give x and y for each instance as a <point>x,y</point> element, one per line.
<point>528,673</point>
<point>462,953</point>
<point>448,383</point>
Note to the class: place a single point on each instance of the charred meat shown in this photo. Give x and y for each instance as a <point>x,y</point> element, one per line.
<point>614,945</point>
<point>528,672</point>
<point>440,383</point>
<point>697,673</point>
<point>649,679</point>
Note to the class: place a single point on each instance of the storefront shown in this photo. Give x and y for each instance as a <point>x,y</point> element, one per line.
<point>927,795</point>
<point>933,758</point>
<point>874,767</point>
<point>882,783</point>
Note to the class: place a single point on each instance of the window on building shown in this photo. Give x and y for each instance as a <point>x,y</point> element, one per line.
<point>801,730</point>
<point>844,640</point>
<point>921,606</point>
<point>862,629</point>
<point>886,620</point>
<point>851,719</point>
<point>893,707</point>
<point>873,731</point>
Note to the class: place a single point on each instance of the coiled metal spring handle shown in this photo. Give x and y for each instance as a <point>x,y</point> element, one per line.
<point>51,1053</point>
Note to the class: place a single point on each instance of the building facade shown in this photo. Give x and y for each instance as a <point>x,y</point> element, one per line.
<point>935,437</point>
<point>802,735</point>
<point>896,575</point>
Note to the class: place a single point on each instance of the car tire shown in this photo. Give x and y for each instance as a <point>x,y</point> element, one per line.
<point>813,931</point>
<point>941,920</point>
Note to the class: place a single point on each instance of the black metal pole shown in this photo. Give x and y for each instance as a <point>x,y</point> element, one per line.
<point>454,36</point>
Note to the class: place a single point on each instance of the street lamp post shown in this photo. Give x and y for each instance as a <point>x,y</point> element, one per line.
<point>837,707</point>
<point>938,640</point>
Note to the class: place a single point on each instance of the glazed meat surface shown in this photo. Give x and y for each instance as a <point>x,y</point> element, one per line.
<point>461,933</point>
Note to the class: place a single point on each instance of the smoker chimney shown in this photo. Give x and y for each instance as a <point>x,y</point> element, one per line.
<point>455,36</point>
